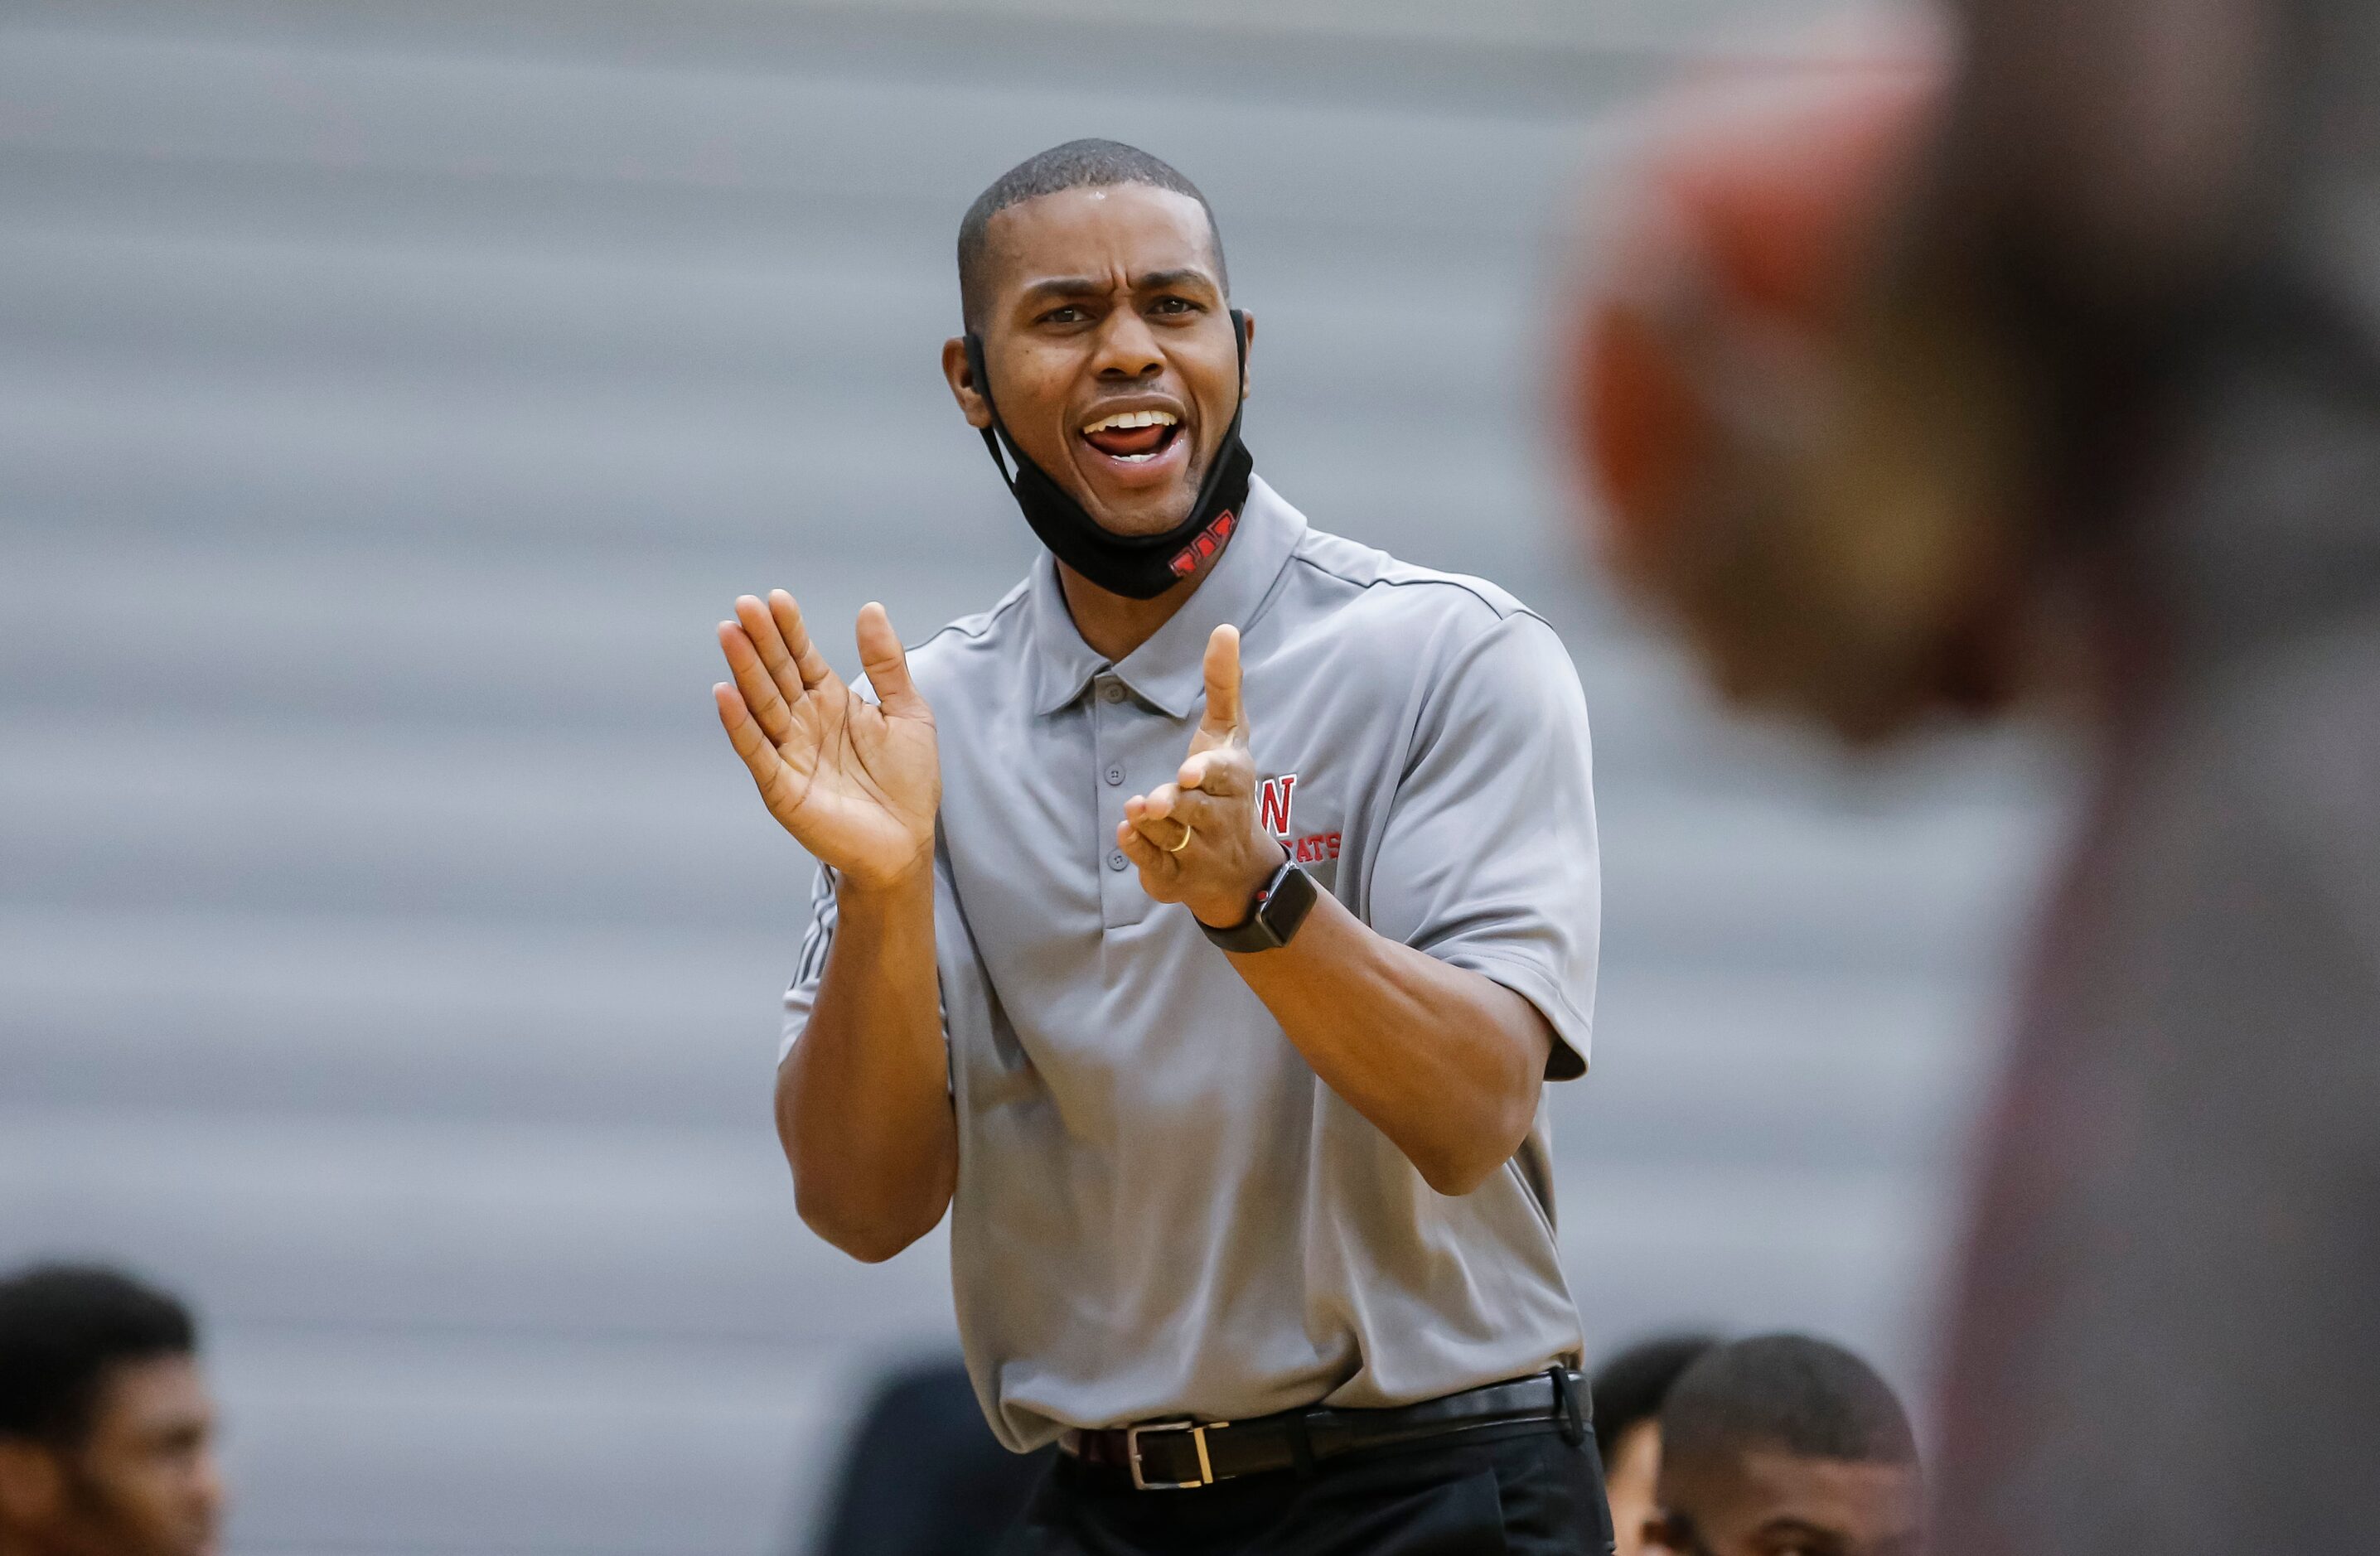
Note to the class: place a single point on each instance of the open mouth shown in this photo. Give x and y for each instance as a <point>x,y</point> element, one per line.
<point>1132,437</point>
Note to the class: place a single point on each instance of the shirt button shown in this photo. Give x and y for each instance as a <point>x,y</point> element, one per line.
<point>1113,692</point>
<point>1116,860</point>
<point>1115,774</point>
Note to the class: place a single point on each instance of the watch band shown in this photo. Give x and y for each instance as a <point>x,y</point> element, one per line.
<point>1280,906</point>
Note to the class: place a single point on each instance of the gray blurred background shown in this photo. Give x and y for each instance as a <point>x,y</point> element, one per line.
<point>392,396</point>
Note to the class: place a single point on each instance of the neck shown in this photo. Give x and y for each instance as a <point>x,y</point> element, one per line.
<point>1115,625</point>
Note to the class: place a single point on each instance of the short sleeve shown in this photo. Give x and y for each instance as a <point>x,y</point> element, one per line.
<point>1488,858</point>
<point>810,966</point>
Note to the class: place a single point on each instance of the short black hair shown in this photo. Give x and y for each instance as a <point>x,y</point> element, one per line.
<point>1077,164</point>
<point>63,1327</point>
<point>1632,1383</point>
<point>1809,1398</point>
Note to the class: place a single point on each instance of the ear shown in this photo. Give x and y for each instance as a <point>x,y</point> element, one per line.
<point>32,1484</point>
<point>1247,348</point>
<point>960,373</point>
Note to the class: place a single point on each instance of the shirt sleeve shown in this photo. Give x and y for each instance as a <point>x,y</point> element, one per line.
<point>809,968</point>
<point>810,965</point>
<point>1488,860</point>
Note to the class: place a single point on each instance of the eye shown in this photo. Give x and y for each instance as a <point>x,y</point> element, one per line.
<point>1175,305</point>
<point>1069,314</point>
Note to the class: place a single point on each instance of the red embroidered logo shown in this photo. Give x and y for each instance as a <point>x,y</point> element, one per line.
<point>1210,540</point>
<point>1272,804</point>
<point>1314,848</point>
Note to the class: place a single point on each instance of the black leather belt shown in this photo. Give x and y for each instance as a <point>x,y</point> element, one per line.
<point>1174,1455</point>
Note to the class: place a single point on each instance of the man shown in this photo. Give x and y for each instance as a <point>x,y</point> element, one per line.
<point>1782,1445</point>
<point>107,1436</point>
<point>1197,926</point>
<point>1627,1394</point>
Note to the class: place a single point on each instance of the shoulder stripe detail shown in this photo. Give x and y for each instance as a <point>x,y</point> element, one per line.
<point>1488,594</point>
<point>811,965</point>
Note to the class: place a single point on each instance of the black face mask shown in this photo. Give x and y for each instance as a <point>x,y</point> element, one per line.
<point>1136,566</point>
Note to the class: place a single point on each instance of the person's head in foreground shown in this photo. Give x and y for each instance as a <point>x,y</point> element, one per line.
<point>106,1434</point>
<point>1782,1445</point>
<point>1628,1391</point>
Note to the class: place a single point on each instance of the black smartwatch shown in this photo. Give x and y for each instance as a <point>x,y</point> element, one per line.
<point>1280,907</point>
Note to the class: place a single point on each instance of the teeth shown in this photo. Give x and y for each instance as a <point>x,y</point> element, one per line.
<point>1126,420</point>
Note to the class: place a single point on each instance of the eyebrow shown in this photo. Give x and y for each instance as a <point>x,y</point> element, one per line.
<point>1151,281</point>
<point>1159,279</point>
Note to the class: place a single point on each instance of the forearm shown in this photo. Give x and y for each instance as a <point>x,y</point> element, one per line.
<point>1445,1062</point>
<point>863,1103</point>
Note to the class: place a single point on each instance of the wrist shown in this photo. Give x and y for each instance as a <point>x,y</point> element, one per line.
<point>865,896</point>
<point>1275,912</point>
<point>1228,911</point>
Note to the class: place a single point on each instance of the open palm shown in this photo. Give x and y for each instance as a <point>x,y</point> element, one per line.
<point>856,781</point>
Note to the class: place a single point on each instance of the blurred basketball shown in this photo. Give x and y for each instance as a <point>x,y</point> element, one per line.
<point>1816,479</point>
<point>1744,225</point>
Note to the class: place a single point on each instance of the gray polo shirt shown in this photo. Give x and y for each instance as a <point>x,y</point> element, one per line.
<point>1160,1209</point>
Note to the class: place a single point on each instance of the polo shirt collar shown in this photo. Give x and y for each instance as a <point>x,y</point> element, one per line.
<point>1167,672</point>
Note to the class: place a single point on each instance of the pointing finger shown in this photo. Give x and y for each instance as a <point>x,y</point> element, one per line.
<point>1223,716</point>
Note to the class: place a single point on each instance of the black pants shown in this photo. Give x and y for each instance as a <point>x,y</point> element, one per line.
<point>1523,1490</point>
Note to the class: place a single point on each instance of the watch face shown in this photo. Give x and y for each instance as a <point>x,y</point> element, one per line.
<point>1285,902</point>
<point>1280,906</point>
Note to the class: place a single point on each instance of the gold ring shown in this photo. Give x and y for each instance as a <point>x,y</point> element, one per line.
<point>1188,832</point>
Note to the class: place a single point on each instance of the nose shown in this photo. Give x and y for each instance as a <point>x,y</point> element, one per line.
<point>1127,347</point>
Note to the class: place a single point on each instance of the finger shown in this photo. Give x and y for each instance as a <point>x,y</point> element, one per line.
<point>887,666</point>
<point>1224,772</point>
<point>759,757</point>
<point>759,689</point>
<point>1192,814</point>
<point>770,644</point>
<point>808,662</point>
<point>1224,715</point>
<point>1142,851</point>
<point>1169,836</point>
<point>1192,808</point>
<point>1169,826</point>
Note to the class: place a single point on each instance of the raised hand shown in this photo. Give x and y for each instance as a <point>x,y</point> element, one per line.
<point>1199,840</point>
<point>857,782</point>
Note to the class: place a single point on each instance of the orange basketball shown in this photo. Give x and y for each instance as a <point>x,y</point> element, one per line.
<point>1746,224</point>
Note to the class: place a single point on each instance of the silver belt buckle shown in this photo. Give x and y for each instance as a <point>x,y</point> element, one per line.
<point>1197,1430</point>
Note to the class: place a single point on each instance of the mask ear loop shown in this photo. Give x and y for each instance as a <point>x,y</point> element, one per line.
<point>983,387</point>
<point>1231,430</point>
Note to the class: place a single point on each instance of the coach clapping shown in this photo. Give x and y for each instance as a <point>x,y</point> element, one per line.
<point>1199,925</point>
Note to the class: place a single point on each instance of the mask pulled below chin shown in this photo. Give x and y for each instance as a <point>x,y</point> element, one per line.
<point>1136,566</point>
